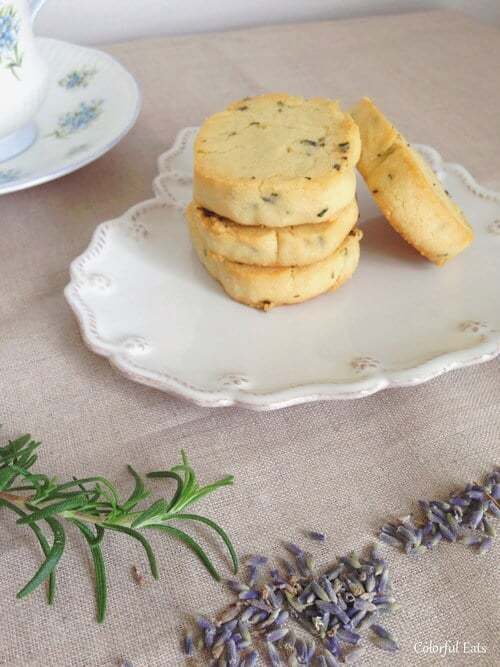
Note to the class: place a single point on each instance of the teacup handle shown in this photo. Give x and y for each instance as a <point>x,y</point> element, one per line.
<point>35,6</point>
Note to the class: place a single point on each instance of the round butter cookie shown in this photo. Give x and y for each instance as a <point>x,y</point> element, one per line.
<point>267,287</point>
<point>276,160</point>
<point>268,246</point>
<point>407,190</point>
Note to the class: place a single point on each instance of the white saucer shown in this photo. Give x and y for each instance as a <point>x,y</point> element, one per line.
<point>91,104</point>
<point>144,301</point>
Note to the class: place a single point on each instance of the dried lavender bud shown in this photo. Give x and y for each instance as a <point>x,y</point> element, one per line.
<point>188,644</point>
<point>485,545</point>
<point>383,583</point>
<point>320,593</point>
<point>315,535</point>
<point>249,595</point>
<point>357,619</point>
<point>251,659</point>
<point>389,539</point>
<point>321,661</point>
<point>209,637</point>
<point>348,636</point>
<point>330,659</point>
<point>295,550</point>
<point>229,614</point>
<point>232,653</point>
<point>333,574</point>
<point>334,609</point>
<point>204,623</point>
<point>364,605</point>
<point>277,635</point>
<point>488,528</point>
<point>236,586</point>
<point>270,619</point>
<point>282,618</point>
<point>333,646</point>
<point>273,654</point>
<point>355,586</point>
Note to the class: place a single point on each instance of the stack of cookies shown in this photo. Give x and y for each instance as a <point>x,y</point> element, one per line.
<point>274,210</point>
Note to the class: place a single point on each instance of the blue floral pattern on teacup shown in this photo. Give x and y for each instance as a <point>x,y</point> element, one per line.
<point>9,175</point>
<point>10,55</point>
<point>75,121</point>
<point>77,78</point>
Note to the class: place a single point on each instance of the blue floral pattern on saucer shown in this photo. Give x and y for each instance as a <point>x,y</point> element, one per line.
<point>77,78</point>
<point>75,121</point>
<point>9,175</point>
<point>91,104</point>
<point>10,55</point>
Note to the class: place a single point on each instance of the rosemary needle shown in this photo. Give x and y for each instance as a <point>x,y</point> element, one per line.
<point>93,505</point>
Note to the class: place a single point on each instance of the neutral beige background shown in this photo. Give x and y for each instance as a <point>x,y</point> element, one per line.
<point>341,467</point>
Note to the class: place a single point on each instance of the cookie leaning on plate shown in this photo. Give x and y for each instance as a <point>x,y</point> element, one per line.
<point>267,246</point>
<point>276,160</point>
<point>266,287</point>
<point>407,190</point>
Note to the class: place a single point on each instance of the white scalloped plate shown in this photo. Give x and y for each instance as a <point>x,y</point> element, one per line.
<point>144,301</point>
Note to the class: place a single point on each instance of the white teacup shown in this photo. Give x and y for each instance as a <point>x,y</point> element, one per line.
<point>23,76</point>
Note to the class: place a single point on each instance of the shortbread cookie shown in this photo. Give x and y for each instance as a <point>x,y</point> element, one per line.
<point>267,246</point>
<point>266,287</point>
<point>276,160</point>
<point>407,190</point>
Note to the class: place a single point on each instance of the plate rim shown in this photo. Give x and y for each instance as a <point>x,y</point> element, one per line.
<point>24,184</point>
<point>487,349</point>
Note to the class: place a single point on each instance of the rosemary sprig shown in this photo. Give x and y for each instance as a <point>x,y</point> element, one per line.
<point>93,505</point>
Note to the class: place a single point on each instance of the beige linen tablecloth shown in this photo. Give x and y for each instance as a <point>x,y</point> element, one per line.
<point>341,467</point>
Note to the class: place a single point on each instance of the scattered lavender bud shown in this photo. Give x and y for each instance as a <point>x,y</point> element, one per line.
<point>333,646</point>
<point>229,614</point>
<point>188,644</point>
<point>283,617</point>
<point>364,605</point>
<point>383,582</point>
<point>236,586</point>
<point>320,593</point>
<point>488,528</point>
<point>209,637</point>
<point>295,550</point>
<point>333,574</point>
<point>258,617</point>
<point>247,614</point>
<point>301,651</point>
<point>475,517</point>
<point>485,545</point>
<point>494,509</point>
<point>330,659</point>
<point>389,539</point>
<point>204,623</point>
<point>495,491</point>
<point>321,661</point>
<point>358,618</point>
<point>251,660</point>
<point>348,636</point>
<point>274,656</point>
<point>353,560</point>
<point>277,635</point>
<point>318,537</point>
<point>270,619</point>
<point>248,595</point>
